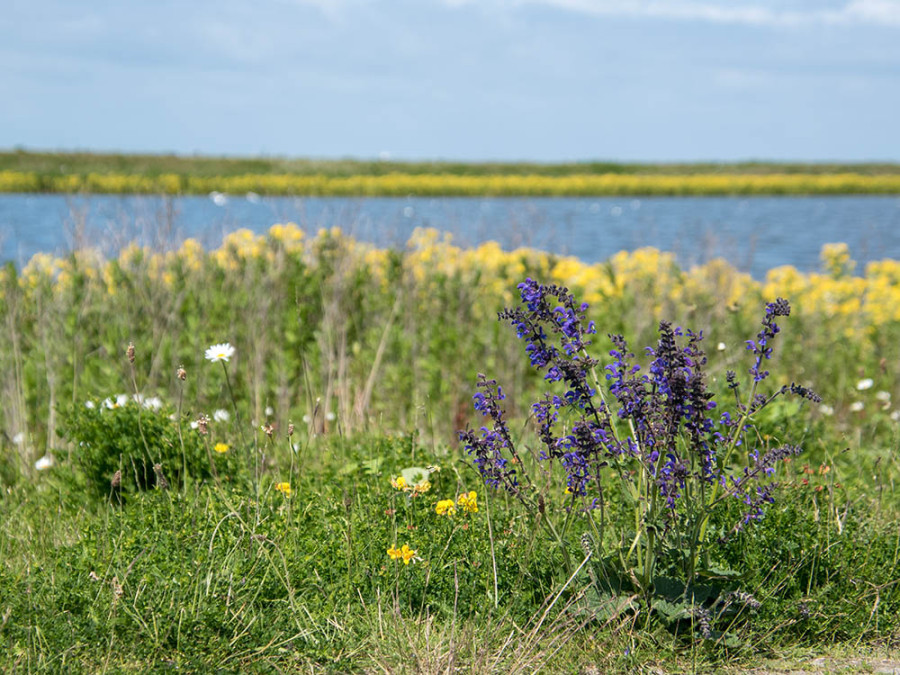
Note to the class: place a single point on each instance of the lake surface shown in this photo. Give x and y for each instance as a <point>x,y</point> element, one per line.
<point>755,234</point>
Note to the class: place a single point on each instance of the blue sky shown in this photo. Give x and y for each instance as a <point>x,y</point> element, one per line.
<point>545,80</point>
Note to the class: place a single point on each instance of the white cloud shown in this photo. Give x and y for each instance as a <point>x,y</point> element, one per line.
<point>885,12</point>
<point>880,12</point>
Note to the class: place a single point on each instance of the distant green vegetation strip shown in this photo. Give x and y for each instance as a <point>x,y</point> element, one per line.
<point>82,163</point>
<point>172,174</point>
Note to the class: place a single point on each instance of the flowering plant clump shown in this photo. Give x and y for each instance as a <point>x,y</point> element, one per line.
<point>284,488</point>
<point>654,436</point>
<point>125,432</point>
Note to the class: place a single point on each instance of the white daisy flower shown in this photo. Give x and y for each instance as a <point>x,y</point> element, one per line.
<point>43,463</point>
<point>221,415</point>
<point>90,405</point>
<point>220,352</point>
<point>153,403</point>
<point>857,406</point>
<point>864,384</point>
<point>118,402</point>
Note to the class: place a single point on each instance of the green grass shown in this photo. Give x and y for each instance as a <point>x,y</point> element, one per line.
<point>217,578</point>
<point>215,569</point>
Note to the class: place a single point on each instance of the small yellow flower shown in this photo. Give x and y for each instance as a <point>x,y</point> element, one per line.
<point>399,483</point>
<point>405,553</point>
<point>408,554</point>
<point>284,488</point>
<point>468,502</point>
<point>445,507</point>
<point>421,488</point>
<point>222,448</point>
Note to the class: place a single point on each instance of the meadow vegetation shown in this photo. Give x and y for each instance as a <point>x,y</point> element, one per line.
<point>22,171</point>
<point>248,459</point>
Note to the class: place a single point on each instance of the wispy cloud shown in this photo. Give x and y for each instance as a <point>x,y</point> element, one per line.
<point>879,12</point>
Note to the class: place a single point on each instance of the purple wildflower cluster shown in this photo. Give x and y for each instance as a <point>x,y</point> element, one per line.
<point>491,447</point>
<point>668,410</point>
<point>662,422</point>
<point>761,347</point>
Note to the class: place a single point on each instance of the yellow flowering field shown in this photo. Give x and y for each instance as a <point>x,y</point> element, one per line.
<point>409,312</point>
<point>400,184</point>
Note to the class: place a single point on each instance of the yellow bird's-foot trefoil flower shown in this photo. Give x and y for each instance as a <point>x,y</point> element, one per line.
<point>445,507</point>
<point>468,503</point>
<point>404,553</point>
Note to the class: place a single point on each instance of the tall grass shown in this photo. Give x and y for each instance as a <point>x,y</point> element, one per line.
<point>357,338</point>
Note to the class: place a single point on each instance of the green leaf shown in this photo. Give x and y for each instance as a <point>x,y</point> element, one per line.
<point>714,572</point>
<point>348,468</point>
<point>372,467</point>
<point>671,611</point>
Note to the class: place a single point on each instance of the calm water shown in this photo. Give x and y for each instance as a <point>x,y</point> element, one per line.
<point>755,234</point>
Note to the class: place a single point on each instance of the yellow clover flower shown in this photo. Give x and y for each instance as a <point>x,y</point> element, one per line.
<point>445,507</point>
<point>421,488</point>
<point>284,488</point>
<point>468,502</point>
<point>405,553</point>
